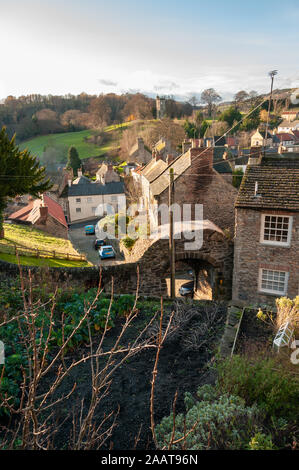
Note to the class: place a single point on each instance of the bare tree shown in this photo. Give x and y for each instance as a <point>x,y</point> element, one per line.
<point>210,96</point>
<point>35,420</point>
<point>241,96</point>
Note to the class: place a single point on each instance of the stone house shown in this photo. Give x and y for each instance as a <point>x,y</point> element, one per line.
<point>259,139</point>
<point>286,138</point>
<point>163,147</point>
<point>139,154</point>
<point>266,262</point>
<point>106,174</point>
<point>195,182</point>
<point>44,214</point>
<point>287,126</point>
<point>289,115</point>
<point>85,197</point>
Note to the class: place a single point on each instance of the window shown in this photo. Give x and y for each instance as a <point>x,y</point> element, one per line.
<point>78,199</point>
<point>78,209</point>
<point>89,199</point>
<point>273,282</point>
<point>93,210</point>
<point>276,230</point>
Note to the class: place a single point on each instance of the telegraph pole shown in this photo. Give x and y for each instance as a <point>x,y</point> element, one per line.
<point>171,234</point>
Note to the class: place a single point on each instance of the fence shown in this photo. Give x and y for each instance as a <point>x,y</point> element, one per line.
<point>37,253</point>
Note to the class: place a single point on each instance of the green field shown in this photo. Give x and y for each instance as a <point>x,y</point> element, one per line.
<point>64,140</point>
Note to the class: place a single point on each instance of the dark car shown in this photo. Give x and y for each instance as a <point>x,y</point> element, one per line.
<point>98,243</point>
<point>187,289</point>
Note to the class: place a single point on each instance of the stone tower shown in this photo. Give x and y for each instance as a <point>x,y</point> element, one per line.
<point>160,107</point>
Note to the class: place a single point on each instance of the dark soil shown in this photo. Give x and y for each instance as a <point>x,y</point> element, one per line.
<point>180,369</point>
<point>253,331</point>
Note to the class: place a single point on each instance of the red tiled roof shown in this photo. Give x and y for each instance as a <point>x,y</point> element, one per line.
<point>54,210</point>
<point>22,214</point>
<point>283,136</point>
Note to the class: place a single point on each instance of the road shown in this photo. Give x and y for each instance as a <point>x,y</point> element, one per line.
<point>85,244</point>
<point>181,277</point>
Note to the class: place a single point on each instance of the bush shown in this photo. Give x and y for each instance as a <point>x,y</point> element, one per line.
<point>215,421</point>
<point>261,442</point>
<point>262,381</point>
<point>128,242</point>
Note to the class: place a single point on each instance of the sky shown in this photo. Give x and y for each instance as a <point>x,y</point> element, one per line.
<point>165,47</point>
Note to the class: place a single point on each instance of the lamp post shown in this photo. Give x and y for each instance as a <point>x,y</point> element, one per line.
<point>271,75</point>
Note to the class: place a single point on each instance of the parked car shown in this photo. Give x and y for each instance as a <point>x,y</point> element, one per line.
<point>98,243</point>
<point>106,252</point>
<point>89,229</point>
<point>187,289</point>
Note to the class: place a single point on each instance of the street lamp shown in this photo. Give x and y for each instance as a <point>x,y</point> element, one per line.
<point>271,75</point>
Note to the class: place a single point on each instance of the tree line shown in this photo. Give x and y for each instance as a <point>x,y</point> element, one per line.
<point>32,115</point>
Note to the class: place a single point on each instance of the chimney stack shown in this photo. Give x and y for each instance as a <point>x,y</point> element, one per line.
<point>255,156</point>
<point>169,159</point>
<point>43,211</point>
<point>79,172</point>
<point>69,181</point>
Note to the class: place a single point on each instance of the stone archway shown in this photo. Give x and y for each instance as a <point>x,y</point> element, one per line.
<point>215,257</point>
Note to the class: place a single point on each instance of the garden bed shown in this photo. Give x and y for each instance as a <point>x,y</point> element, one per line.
<point>180,369</point>
<point>253,331</point>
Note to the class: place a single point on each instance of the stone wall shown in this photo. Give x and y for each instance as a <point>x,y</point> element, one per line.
<point>250,255</point>
<point>53,227</point>
<point>149,272</point>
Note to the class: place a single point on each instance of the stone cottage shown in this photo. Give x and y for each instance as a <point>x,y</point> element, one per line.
<point>139,154</point>
<point>266,263</point>
<point>44,214</point>
<point>107,174</point>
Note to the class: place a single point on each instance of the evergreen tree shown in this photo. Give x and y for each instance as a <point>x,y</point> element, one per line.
<point>20,173</point>
<point>73,160</point>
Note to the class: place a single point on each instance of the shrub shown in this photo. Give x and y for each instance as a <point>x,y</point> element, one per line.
<point>264,381</point>
<point>261,442</point>
<point>128,242</point>
<point>215,422</point>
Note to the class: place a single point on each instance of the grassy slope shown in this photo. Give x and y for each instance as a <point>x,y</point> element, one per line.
<point>29,237</point>
<point>85,149</point>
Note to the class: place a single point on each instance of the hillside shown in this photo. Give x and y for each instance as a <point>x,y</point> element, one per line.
<point>82,140</point>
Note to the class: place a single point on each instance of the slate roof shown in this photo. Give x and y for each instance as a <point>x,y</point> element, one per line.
<point>153,169</point>
<point>278,184</point>
<point>263,134</point>
<point>180,164</point>
<point>81,180</point>
<point>96,189</point>
<point>219,163</point>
